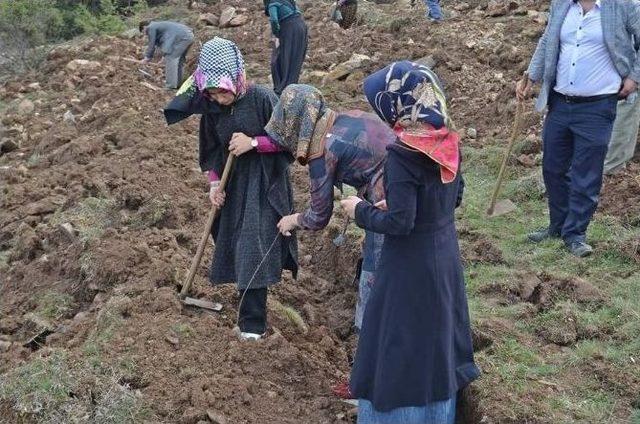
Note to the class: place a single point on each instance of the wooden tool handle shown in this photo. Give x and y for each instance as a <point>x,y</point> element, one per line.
<point>514,134</point>
<point>195,263</point>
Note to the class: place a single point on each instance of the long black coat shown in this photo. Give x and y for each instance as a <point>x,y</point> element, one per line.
<point>259,191</point>
<point>415,344</point>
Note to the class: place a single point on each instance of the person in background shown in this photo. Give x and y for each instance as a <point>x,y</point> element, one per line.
<point>586,61</point>
<point>348,12</point>
<point>249,250</point>
<point>624,136</point>
<point>289,42</point>
<point>339,148</point>
<point>174,40</point>
<point>434,11</point>
<point>415,350</point>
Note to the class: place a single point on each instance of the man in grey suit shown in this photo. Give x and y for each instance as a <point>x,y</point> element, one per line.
<point>174,40</point>
<point>585,61</point>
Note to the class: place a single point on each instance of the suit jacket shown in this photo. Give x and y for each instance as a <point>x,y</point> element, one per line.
<point>620,25</point>
<point>166,34</point>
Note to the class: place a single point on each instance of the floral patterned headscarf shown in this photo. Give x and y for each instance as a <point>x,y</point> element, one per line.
<point>409,97</point>
<point>299,121</point>
<point>220,66</point>
<point>407,91</point>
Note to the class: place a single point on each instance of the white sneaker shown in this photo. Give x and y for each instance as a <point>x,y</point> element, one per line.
<point>248,336</point>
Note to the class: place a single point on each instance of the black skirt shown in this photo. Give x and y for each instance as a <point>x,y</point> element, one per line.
<point>288,57</point>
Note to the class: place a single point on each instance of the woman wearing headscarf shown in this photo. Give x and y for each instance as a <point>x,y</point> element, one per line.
<point>339,148</point>
<point>415,351</point>
<point>248,249</point>
<point>289,42</point>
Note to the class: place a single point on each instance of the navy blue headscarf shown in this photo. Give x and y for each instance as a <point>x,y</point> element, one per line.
<point>407,91</point>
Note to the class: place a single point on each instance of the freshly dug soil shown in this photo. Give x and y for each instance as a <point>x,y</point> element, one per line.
<point>104,204</point>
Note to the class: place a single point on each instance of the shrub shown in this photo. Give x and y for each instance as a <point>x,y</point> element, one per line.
<point>27,26</point>
<point>24,25</point>
<point>91,19</point>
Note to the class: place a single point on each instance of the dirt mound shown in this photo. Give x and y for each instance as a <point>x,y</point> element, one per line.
<point>477,248</point>
<point>620,195</point>
<point>103,217</point>
<point>545,291</point>
<point>551,289</point>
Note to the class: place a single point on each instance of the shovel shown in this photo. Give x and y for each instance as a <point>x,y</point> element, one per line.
<point>195,263</point>
<point>506,206</point>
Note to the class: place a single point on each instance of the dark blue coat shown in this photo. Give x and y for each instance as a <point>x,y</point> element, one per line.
<point>415,344</point>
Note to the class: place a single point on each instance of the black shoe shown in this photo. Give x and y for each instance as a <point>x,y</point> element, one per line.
<point>579,249</point>
<point>541,235</point>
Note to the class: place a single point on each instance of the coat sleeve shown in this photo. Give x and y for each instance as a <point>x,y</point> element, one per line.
<point>265,101</point>
<point>267,145</point>
<point>401,196</point>
<point>536,66</point>
<point>153,35</point>
<point>274,19</point>
<point>322,178</point>
<point>634,28</point>
<point>211,151</point>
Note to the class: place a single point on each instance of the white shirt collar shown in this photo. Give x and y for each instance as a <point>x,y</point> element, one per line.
<point>598,3</point>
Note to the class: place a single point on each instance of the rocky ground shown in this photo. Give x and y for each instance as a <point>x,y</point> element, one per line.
<point>103,205</point>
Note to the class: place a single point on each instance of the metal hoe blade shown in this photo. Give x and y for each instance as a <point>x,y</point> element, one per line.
<point>189,301</point>
<point>503,207</point>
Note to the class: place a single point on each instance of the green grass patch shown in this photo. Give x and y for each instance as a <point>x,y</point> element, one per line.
<point>521,366</point>
<point>39,385</point>
<point>91,217</point>
<point>482,277</point>
<point>54,305</point>
<point>109,320</point>
<point>153,213</point>
<point>34,160</point>
<point>517,363</point>
<point>4,260</point>
<point>183,330</point>
<point>587,405</point>
<point>289,314</point>
<point>58,389</point>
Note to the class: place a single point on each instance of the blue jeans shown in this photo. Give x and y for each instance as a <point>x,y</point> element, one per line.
<point>575,138</point>
<point>370,257</point>
<point>433,9</point>
<point>433,413</point>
